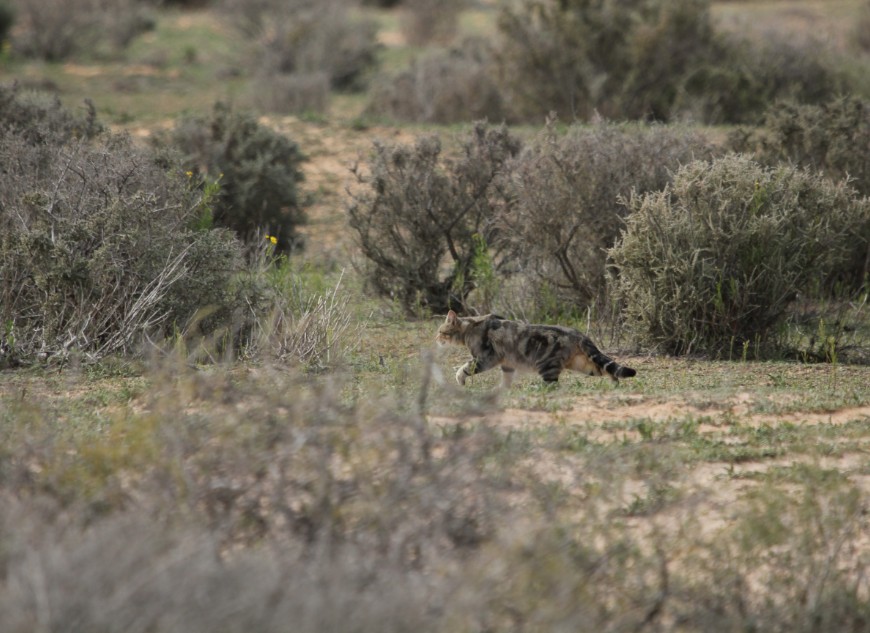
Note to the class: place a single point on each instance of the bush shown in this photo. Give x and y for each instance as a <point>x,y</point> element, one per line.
<point>861,30</point>
<point>421,217</point>
<point>831,138</point>
<point>55,30</point>
<point>304,39</point>
<point>258,170</point>
<point>713,262</point>
<point>651,60</point>
<point>620,59</point>
<point>567,208</point>
<point>41,119</point>
<point>442,87</point>
<point>98,248</point>
<point>424,22</point>
<point>7,19</point>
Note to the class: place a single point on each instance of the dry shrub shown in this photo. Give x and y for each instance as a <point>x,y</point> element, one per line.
<point>442,87</point>
<point>861,30</point>
<point>420,217</point>
<point>567,193</point>
<point>620,59</point>
<point>99,247</point>
<point>424,22</point>
<point>55,30</point>
<point>291,94</point>
<point>295,321</point>
<point>298,41</point>
<point>831,137</point>
<point>712,263</point>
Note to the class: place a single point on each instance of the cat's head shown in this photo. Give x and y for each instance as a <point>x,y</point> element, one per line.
<point>450,332</point>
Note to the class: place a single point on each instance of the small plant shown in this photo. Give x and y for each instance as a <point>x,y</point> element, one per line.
<point>717,258</point>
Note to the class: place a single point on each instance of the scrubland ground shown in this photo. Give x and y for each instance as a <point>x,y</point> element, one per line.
<point>161,493</point>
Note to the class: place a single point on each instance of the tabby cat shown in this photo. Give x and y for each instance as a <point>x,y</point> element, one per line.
<point>546,349</point>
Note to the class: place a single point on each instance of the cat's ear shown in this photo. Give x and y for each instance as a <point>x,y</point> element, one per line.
<point>451,317</point>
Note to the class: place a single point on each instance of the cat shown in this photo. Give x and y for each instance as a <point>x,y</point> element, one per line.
<point>546,349</point>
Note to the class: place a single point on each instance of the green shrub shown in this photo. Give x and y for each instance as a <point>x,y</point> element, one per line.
<point>712,263</point>
<point>831,138</point>
<point>419,216</point>
<point>442,87</point>
<point>567,208</point>
<point>258,170</point>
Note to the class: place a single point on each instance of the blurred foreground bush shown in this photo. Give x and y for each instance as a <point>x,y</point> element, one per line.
<point>228,501</point>
<point>712,263</point>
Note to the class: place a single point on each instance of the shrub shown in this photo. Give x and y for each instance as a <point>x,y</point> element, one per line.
<point>713,262</point>
<point>620,59</point>
<point>54,30</point>
<point>98,248</point>
<point>296,93</point>
<point>831,138</point>
<point>7,19</point>
<point>442,87</point>
<point>419,216</point>
<point>861,30</point>
<point>40,118</point>
<point>424,22</point>
<point>307,38</point>
<point>258,170</point>
<point>567,192</point>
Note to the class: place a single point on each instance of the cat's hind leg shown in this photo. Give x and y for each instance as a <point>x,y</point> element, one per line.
<point>507,376</point>
<point>550,370</point>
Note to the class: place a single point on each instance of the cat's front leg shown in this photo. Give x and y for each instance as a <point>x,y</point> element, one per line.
<point>474,366</point>
<point>468,369</point>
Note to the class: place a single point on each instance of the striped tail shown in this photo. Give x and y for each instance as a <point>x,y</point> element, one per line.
<point>608,365</point>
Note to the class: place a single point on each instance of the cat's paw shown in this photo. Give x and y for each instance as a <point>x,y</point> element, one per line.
<point>461,376</point>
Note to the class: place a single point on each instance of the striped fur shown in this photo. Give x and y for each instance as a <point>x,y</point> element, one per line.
<point>546,349</point>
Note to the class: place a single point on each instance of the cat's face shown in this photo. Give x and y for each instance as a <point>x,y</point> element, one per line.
<point>450,332</point>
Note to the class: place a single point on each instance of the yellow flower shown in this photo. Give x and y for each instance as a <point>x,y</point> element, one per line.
<point>273,239</point>
<point>189,174</point>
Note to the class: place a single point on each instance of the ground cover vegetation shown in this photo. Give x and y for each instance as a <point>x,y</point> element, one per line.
<point>220,408</point>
